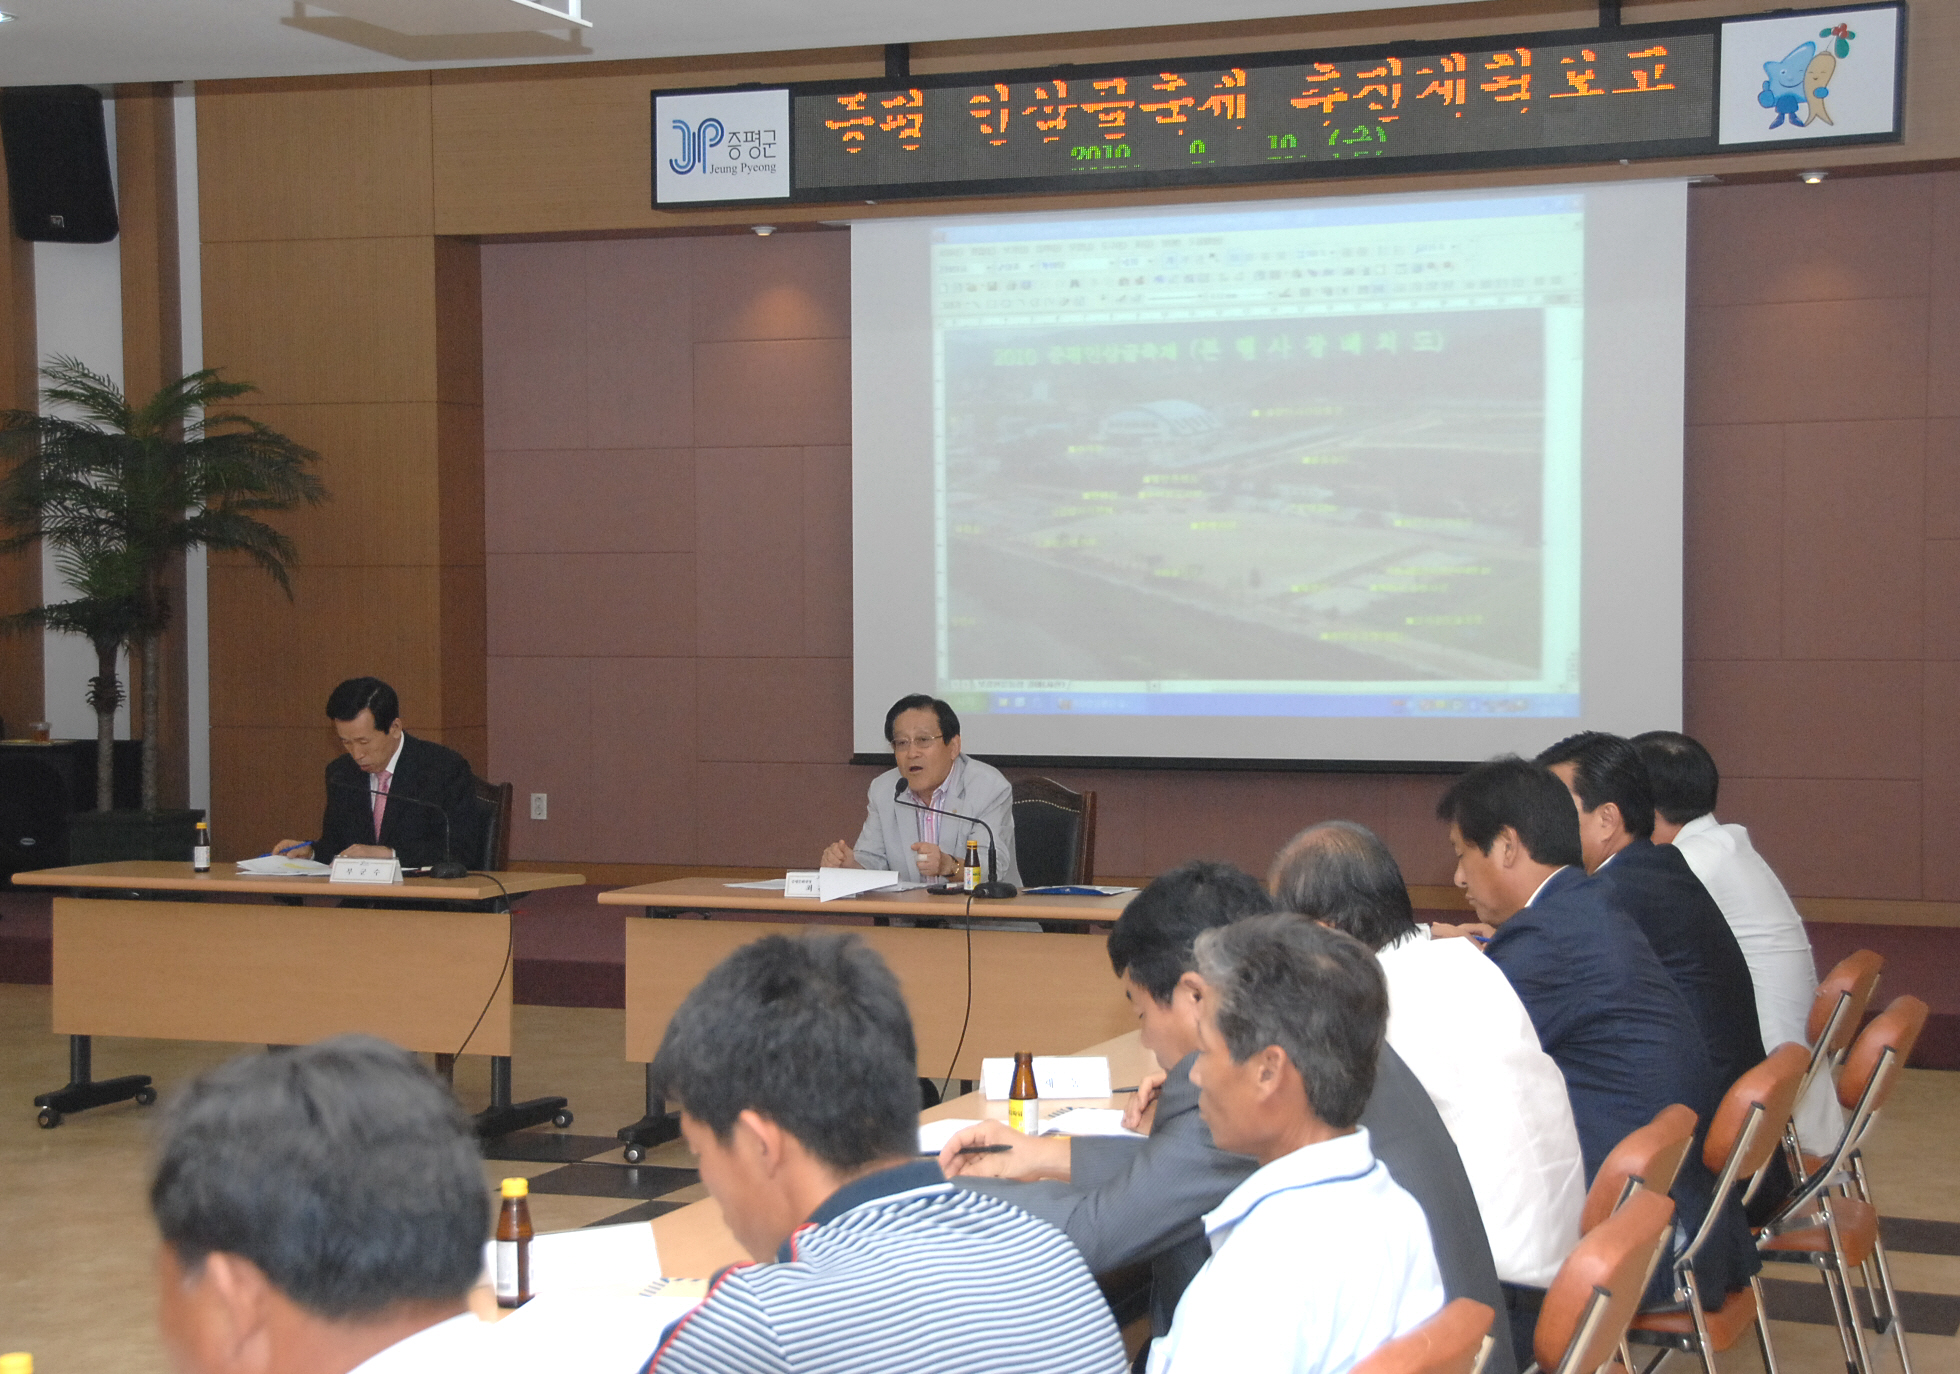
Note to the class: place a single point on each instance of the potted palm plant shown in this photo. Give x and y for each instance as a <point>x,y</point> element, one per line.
<point>119,491</point>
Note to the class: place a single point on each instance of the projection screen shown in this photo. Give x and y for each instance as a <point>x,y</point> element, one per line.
<point>1385,479</point>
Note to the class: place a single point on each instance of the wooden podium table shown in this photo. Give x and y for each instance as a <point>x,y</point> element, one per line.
<point>1044,991</point>
<point>694,1241</point>
<point>141,949</point>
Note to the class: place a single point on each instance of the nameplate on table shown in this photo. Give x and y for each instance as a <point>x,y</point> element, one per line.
<point>379,871</point>
<point>1055,1075</point>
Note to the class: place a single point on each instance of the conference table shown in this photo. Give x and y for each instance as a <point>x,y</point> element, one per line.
<point>695,1243</point>
<point>156,950</point>
<point>974,991</point>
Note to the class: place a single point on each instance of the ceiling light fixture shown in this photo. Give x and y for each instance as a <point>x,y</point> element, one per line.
<point>6,18</point>
<point>1811,178</point>
<point>763,231</point>
<point>570,13</point>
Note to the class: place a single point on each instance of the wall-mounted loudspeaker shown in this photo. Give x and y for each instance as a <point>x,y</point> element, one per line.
<point>58,164</point>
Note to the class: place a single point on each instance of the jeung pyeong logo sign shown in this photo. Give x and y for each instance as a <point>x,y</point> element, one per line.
<point>727,145</point>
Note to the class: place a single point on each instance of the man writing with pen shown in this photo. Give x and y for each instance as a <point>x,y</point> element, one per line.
<point>923,845</point>
<point>432,816</point>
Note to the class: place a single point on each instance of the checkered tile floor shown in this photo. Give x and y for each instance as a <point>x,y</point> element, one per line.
<point>590,1166</point>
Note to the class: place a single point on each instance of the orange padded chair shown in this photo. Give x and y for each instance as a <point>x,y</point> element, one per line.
<point>1587,1308</point>
<point>1454,1341</point>
<point>1742,1140</point>
<point>1835,1016</point>
<point>1831,1221</point>
<point>1650,1156</point>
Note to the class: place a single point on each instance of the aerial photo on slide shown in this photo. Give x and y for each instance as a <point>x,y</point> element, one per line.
<point>1324,499</point>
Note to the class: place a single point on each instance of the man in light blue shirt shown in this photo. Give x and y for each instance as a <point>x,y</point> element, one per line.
<point>1319,1256</point>
<point>923,845</point>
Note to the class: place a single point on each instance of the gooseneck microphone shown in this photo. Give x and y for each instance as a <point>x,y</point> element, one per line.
<point>448,867</point>
<point>993,889</point>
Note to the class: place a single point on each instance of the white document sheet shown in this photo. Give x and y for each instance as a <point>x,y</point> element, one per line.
<point>1088,1121</point>
<point>835,883</point>
<point>1055,1075</point>
<point>619,1258</point>
<point>282,866</point>
<point>591,1332</point>
<point>933,1135</point>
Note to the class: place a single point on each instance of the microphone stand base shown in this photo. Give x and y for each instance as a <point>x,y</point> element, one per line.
<point>995,891</point>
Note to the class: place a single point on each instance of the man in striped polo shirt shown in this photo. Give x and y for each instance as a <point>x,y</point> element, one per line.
<point>795,1070</point>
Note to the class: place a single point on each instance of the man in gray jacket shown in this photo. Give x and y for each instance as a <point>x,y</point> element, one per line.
<point>1123,1201</point>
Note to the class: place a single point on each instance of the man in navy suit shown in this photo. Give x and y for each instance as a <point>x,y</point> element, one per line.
<point>1653,884</point>
<point>391,795</point>
<point>1605,1010</point>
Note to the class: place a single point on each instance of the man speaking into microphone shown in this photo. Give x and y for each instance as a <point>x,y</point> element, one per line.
<point>923,845</point>
<point>432,818</point>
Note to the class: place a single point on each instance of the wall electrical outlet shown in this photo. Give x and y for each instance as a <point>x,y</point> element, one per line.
<point>538,806</point>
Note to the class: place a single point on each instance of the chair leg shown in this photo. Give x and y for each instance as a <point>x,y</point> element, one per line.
<point>1762,1327</point>
<point>1703,1346</point>
<point>1864,1358</point>
<point>1846,1322</point>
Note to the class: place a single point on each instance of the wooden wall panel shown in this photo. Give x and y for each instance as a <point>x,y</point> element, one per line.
<point>271,786</point>
<point>343,622</point>
<point>313,158</point>
<point>380,466</point>
<point>324,319</point>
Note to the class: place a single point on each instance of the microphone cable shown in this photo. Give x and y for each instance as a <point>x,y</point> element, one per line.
<point>510,950</point>
<point>968,1016</point>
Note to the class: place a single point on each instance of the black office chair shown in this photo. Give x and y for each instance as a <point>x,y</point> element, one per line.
<point>493,800</point>
<point>1054,833</point>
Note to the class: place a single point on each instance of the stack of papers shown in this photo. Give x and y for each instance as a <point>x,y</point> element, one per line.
<point>613,1259</point>
<point>281,866</point>
<point>1088,1121</point>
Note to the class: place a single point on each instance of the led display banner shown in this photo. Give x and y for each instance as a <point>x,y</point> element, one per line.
<point>1640,91</point>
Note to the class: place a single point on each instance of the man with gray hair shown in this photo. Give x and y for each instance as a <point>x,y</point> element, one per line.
<point>322,1210</point>
<point>1318,1256</point>
<point>1457,1023</point>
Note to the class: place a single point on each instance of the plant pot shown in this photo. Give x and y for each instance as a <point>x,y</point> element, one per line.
<point>101,837</point>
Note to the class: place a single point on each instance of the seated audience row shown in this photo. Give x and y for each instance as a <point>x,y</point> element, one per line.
<point>1355,1123</point>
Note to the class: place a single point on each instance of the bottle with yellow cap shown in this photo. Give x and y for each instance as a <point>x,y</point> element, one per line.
<point>513,1246</point>
<point>18,1362</point>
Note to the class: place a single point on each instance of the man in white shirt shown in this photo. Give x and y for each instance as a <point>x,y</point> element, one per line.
<point>1753,902</point>
<point>323,1210</point>
<point>1457,1023</point>
<point>1319,1256</point>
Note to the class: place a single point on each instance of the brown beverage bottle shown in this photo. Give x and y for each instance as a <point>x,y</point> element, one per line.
<point>1023,1099</point>
<point>514,1244</point>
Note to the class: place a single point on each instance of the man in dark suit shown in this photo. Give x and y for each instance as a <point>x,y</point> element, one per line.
<point>390,795</point>
<point>1124,1201</point>
<point>1605,1010</point>
<point>1653,884</point>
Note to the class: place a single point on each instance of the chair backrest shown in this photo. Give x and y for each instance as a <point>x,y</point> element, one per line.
<point>1054,833</point>
<point>1897,1029</point>
<point>1448,1343</point>
<point>1650,1156</point>
<point>1765,1095</point>
<point>1598,1288</point>
<point>493,825</point>
<point>1843,995</point>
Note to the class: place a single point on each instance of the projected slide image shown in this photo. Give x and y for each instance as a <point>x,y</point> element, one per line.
<point>1329,499</point>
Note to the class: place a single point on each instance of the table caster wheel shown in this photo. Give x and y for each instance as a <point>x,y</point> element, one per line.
<point>49,1118</point>
<point>636,1154</point>
<point>562,1120</point>
<point>146,1097</point>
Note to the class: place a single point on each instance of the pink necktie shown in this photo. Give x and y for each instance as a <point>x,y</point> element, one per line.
<point>381,781</point>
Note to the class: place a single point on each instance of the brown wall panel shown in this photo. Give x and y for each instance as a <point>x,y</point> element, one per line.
<point>280,661</point>
<point>462,649</point>
<point>314,158</point>
<point>339,320</point>
<point>380,464</point>
<point>275,788</point>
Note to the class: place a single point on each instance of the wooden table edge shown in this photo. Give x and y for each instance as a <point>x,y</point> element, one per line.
<point>224,878</point>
